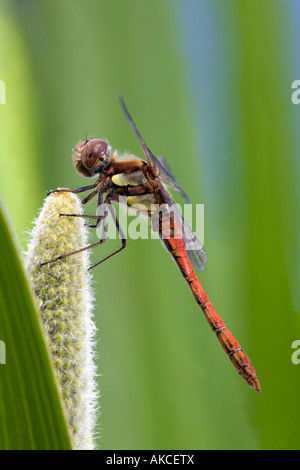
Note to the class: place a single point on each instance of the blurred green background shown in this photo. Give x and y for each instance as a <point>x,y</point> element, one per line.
<point>209,85</point>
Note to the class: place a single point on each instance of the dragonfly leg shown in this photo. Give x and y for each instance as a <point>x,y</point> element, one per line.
<point>84,216</point>
<point>73,253</point>
<point>101,241</point>
<point>76,191</point>
<point>121,233</point>
<point>97,217</point>
<point>89,197</point>
<point>103,236</point>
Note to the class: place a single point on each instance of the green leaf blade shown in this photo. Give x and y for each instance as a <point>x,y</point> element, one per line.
<point>32,415</point>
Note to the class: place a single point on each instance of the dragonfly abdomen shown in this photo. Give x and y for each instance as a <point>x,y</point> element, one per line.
<point>232,348</point>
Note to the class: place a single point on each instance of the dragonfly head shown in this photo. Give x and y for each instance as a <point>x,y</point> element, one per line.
<point>91,156</point>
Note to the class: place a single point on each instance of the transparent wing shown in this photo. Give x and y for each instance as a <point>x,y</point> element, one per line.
<point>164,172</point>
<point>147,152</point>
<point>167,177</point>
<point>194,249</point>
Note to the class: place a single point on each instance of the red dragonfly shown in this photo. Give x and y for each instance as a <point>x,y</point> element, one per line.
<point>145,182</point>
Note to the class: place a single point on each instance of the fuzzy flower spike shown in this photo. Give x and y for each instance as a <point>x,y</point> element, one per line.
<point>63,294</point>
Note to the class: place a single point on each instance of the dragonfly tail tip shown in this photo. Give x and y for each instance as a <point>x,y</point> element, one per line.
<point>254,383</point>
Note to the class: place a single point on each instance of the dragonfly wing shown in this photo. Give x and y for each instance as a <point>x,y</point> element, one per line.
<point>147,152</point>
<point>194,249</point>
<point>167,177</point>
<point>164,173</point>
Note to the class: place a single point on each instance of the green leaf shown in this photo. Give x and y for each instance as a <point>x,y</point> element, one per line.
<point>31,411</point>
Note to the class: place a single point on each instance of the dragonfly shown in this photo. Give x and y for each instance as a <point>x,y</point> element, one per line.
<point>146,182</point>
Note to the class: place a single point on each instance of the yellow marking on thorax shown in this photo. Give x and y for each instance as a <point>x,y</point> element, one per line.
<point>133,179</point>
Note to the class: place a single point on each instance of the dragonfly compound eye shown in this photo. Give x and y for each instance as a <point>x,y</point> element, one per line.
<point>89,154</point>
<point>94,151</point>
